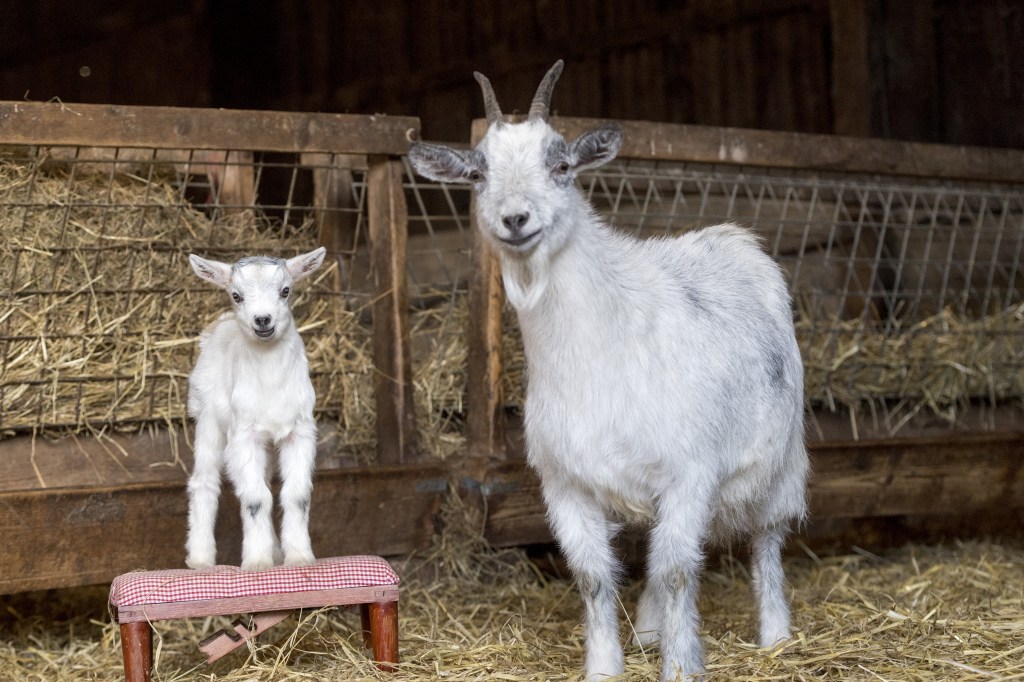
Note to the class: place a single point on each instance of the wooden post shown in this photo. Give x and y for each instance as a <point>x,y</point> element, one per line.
<point>137,650</point>
<point>485,421</point>
<point>334,207</point>
<point>364,619</point>
<point>388,234</point>
<point>383,617</point>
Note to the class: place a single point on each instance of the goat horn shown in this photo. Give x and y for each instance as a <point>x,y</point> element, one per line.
<point>491,107</point>
<point>540,108</point>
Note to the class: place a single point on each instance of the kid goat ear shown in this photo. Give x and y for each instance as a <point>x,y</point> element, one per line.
<point>305,265</point>
<point>212,271</point>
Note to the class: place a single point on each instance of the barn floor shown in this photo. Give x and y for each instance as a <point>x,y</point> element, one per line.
<point>945,612</point>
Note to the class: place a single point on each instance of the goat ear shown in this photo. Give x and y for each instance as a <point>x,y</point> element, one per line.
<point>444,164</point>
<point>596,147</point>
<point>306,264</point>
<point>212,271</point>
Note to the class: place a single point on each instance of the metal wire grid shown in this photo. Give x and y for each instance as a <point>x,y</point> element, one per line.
<point>899,267</point>
<point>439,269</point>
<point>98,308</point>
<point>905,290</point>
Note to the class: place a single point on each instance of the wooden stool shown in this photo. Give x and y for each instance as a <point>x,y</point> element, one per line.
<point>143,597</point>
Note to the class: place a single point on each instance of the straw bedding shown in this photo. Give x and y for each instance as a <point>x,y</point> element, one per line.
<point>471,613</point>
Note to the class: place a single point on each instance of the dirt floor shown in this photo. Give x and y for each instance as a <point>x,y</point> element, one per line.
<point>949,612</point>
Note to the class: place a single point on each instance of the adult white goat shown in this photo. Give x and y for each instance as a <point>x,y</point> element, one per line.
<point>250,388</point>
<point>664,383</point>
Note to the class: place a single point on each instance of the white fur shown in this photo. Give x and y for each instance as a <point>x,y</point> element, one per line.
<point>664,385</point>
<point>247,392</point>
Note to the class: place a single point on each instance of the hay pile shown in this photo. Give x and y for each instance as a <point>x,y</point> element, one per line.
<point>99,316</point>
<point>937,364</point>
<point>469,613</point>
<point>100,313</point>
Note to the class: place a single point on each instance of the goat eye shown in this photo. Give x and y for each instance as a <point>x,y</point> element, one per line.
<point>236,297</point>
<point>285,292</point>
<point>562,167</point>
<point>475,176</point>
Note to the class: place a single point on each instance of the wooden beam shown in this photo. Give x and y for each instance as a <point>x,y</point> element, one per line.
<point>921,477</point>
<point>707,144</point>
<point>85,536</point>
<point>485,427</point>
<point>149,456</point>
<point>893,478</point>
<point>388,235</point>
<point>55,123</point>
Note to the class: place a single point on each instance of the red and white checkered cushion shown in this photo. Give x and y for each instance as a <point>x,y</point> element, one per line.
<point>224,582</point>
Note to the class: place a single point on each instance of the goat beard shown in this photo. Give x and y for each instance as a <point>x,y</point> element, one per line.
<point>524,284</point>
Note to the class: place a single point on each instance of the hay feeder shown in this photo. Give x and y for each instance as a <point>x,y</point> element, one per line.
<point>905,262</point>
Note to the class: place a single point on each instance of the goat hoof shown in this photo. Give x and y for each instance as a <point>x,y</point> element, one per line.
<point>299,559</point>
<point>200,562</point>
<point>257,564</point>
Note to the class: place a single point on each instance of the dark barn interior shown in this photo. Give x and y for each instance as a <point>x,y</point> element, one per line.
<point>875,147</point>
<point>925,70</point>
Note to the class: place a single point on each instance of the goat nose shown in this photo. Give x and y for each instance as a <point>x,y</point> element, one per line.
<point>262,321</point>
<point>515,222</point>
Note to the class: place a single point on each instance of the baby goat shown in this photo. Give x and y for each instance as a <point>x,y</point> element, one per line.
<point>250,388</point>
<point>664,383</point>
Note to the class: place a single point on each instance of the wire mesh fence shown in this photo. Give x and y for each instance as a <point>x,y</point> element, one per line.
<point>101,312</point>
<point>909,293</point>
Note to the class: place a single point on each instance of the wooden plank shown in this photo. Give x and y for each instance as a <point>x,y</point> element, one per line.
<point>510,492</point>
<point>34,463</point>
<point>909,87</point>
<point>55,123</point>
<point>677,142</point>
<point>485,435</point>
<point>851,69</point>
<point>388,235</point>
<point>88,535</point>
<point>921,477</point>
<point>155,455</point>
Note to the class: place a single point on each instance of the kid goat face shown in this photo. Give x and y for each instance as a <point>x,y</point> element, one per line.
<point>260,288</point>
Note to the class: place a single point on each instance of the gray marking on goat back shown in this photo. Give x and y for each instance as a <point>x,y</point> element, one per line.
<point>776,368</point>
<point>256,260</point>
<point>691,293</point>
<point>695,299</point>
<point>304,506</point>
<point>771,342</point>
<point>254,509</point>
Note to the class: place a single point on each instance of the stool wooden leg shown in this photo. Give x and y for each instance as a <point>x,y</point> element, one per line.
<point>383,617</point>
<point>364,617</point>
<point>137,650</point>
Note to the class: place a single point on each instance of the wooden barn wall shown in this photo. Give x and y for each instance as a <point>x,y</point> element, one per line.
<point>926,70</point>
<point>103,52</point>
